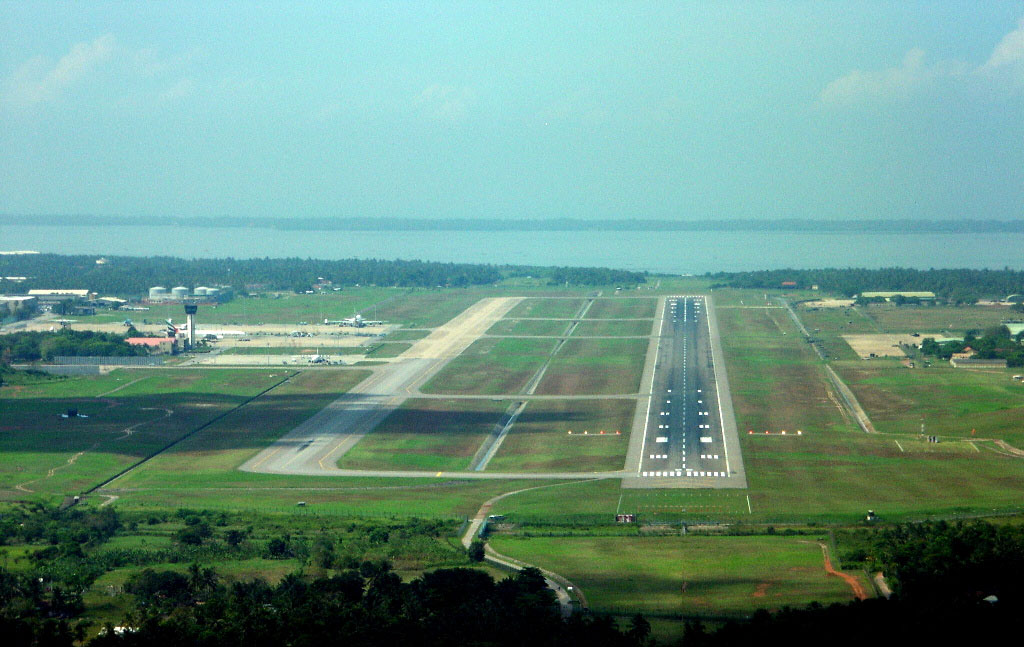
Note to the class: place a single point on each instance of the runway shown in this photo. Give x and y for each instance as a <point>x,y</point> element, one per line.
<point>315,446</point>
<point>689,435</point>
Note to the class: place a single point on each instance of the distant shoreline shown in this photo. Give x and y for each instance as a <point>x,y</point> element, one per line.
<point>794,225</point>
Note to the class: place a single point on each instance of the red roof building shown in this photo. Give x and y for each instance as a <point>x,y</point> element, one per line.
<point>156,345</point>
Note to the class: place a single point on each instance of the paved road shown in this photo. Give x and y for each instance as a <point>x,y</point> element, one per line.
<point>686,426</point>
<point>557,583</point>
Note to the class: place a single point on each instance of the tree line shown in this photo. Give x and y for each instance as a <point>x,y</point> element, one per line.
<point>955,285</point>
<point>131,275</point>
<point>29,346</point>
<point>995,342</point>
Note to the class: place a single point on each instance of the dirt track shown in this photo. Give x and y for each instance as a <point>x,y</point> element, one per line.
<point>855,584</point>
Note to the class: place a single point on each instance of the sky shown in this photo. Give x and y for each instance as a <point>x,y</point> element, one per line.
<point>679,110</point>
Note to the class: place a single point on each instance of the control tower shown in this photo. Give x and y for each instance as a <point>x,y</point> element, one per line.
<point>190,315</point>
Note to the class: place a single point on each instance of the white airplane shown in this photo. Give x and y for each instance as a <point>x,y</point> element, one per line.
<point>356,321</point>
<point>219,333</point>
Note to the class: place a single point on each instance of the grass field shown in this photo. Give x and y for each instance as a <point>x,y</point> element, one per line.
<point>407,335</point>
<point>281,308</point>
<point>387,349</point>
<point>492,366</point>
<point>132,413</point>
<point>622,308</point>
<point>427,434</point>
<point>529,327</point>
<point>539,441</point>
<point>595,366</point>
<point>952,402</point>
<point>829,324</point>
<point>391,498</point>
<point>952,319</point>
<point>547,308</point>
<point>834,471</point>
<point>209,458</point>
<point>599,328</point>
<point>685,576</point>
<point>423,308</point>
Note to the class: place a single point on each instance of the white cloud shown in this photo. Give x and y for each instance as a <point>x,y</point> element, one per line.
<point>895,82</point>
<point>445,102</point>
<point>915,73</point>
<point>182,88</point>
<point>1009,51</point>
<point>37,81</point>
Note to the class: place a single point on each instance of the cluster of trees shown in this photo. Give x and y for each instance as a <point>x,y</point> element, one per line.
<point>365,606</point>
<point>957,285</point>
<point>547,224</point>
<point>958,562</point>
<point>135,275</point>
<point>941,574</point>
<point>368,606</point>
<point>29,346</point>
<point>994,343</point>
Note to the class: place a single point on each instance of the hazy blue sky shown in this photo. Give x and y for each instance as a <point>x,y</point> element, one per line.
<point>514,110</point>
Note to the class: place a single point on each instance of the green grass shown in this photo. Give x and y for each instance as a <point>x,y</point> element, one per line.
<point>953,402</point>
<point>935,319</point>
<point>48,454</point>
<point>595,366</point>
<point>599,328</point>
<point>492,366</point>
<point>407,335</point>
<point>528,327</point>
<point>576,502</point>
<point>329,497</point>
<point>425,308</point>
<point>622,308</point>
<point>835,472</point>
<point>283,308</point>
<point>539,440</point>
<point>427,434</point>
<point>685,576</point>
<point>547,308</point>
<point>388,349</point>
<point>829,324</point>
<point>209,458</point>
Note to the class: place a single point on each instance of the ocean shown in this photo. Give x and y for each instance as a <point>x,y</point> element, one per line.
<point>661,252</point>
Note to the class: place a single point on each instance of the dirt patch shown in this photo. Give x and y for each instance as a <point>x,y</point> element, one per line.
<point>761,589</point>
<point>868,346</point>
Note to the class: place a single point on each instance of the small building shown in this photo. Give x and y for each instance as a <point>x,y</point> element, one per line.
<point>10,304</point>
<point>977,363</point>
<point>156,345</point>
<point>54,296</point>
<point>788,284</point>
<point>888,296</point>
<point>966,353</point>
<point>110,302</point>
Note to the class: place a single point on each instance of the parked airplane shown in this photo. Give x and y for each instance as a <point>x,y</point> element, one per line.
<point>219,333</point>
<point>356,321</point>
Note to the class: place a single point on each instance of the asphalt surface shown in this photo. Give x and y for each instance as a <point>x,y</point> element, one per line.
<point>688,440</point>
<point>315,446</point>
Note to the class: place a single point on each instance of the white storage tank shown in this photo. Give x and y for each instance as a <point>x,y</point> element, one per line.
<point>212,292</point>
<point>179,292</point>
<point>201,291</point>
<point>157,293</point>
